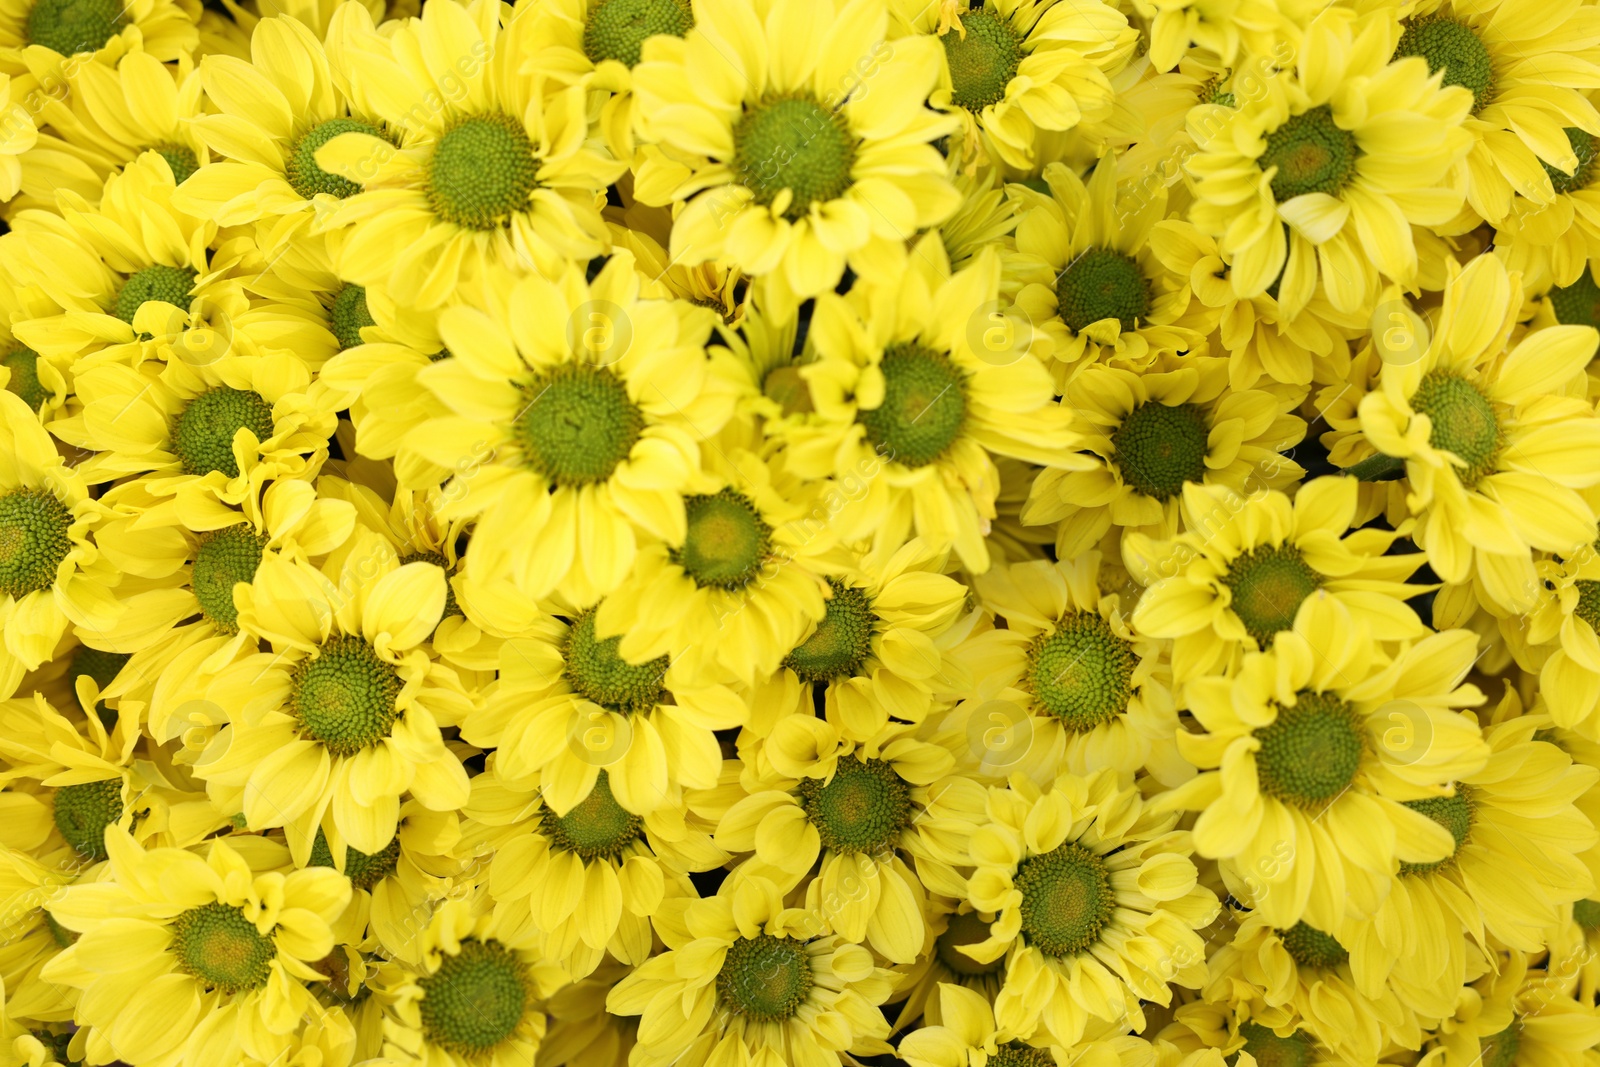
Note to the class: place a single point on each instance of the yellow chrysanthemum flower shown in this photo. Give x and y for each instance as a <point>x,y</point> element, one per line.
<point>1096,904</point>
<point>488,173</point>
<point>1324,740</point>
<point>34,938</point>
<point>1244,565</point>
<point>745,979</point>
<point>1493,454</point>
<point>582,1033</point>
<point>40,382</point>
<point>905,407</point>
<point>1519,1014</point>
<point>1228,29</point>
<point>951,924</point>
<point>1095,286</point>
<point>1207,1034</point>
<point>43,33</point>
<point>188,956</point>
<point>1562,640</point>
<point>343,719</point>
<point>968,1034</point>
<point>799,134</point>
<point>1320,177</point>
<point>1153,433</point>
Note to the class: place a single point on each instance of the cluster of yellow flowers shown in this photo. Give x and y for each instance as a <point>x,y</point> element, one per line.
<point>800,533</point>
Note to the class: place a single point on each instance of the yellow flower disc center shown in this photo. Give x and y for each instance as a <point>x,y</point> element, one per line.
<point>170,285</point>
<point>596,828</point>
<point>34,540</point>
<point>476,999</point>
<point>841,641</point>
<point>1159,448</point>
<point>617,29</point>
<point>345,696</point>
<point>924,405</point>
<point>482,172</point>
<point>1452,813</point>
<point>1463,422</point>
<point>864,807</point>
<point>1312,154</point>
<point>765,978</point>
<point>577,424</point>
<point>23,363</point>
<point>84,811</point>
<point>1081,673</point>
<point>965,929</point>
<point>983,62</point>
<point>180,160</point>
<point>1102,284</point>
<point>301,170</point>
<point>223,559</point>
<point>1451,45</point>
<point>1067,900</point>
<point>727,540</point>
<point>349,315</point>
<point>1500,1050</point>
<point>793,142</point>
<point>1017,1054</point>
<point>364,870</point>
<point>1310,947</point>
<point>72,26</point>
<point>598,673</point>
<point>203,432</point>
<point>1270,1050</point>
<point>1268,584</point>
<point>218,945</point>
<point>1311,752</point>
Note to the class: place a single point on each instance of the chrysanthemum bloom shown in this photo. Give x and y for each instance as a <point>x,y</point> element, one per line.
<point>1562,643</point>
<point>745,979</point>
<point>1304,973</point>
<point>903,399</point>
<point>799,135</point>
<point>1309,816</point>
<point>41,383</point>
<point>860,807</point>
<point>34,936</point>
<point>1228,29</point>
<point>1014,67</point>
<point>582,1033</point>
<point>186,956</point>
<point>51,573</point>
<point>1493,455</point>
<point>1552,243</point>
<point>576,412</point>
<point>489,173</point>
<point>1245,564</point>
<point>105,116</point>
<point>881,650</point>
<point>1264,1040</point>
<point>967,1034</point>
<point>1096,693</point>
<point>586,882</point>
<point>1519,1014</point>
<point>1519,839</point>
<point>470,998</point>
<point>1179,422</point>
<point>1095,285</point>
<point>1528,67</point>
<point>1322,176</point>
<point>344,717</point>
<point>1096,904</point>
<point>986,218</point>
<point>101,31</point>
<point>571,709</point>
<point>951,924</point>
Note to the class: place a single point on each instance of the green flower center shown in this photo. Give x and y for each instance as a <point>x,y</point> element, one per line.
<point>476,999</point>
<point>203,432</point>
<point>1159,448</point>
<point>1451,46</point>
<point>924,405</point>
<point>72,26</point>
<point>438,560</point>
<point>170,285</point>
<point>58,933</point>
<point>1463,422</point>
<point>789,388</point>
<point>34,540</point>
<point>1500,1050</point>
<point>1067,899</point>
<point>23,363</point>
<point>1017,1054</point>
<point>1268,584</point>
<point>102,667</point>
<point>841,641</point>
<point>1310,947</point>
<point>1102,284</point>
<point>598,673</point>
<point>1312,154</point>
<point>617,29</point>
<point>1588,608</point>
<point>482,172</point>
<point>57,1047</point>
<point>218,945</point>
<point>1586,913</point>
<point>965,929</point>
<point>84,811</point>
<point>345,697</point>
<point>349,314</point>
<point>180,159</point>
<point>1311,752</point>
<point>1588,153</point>
<point>864,807</point>
<point>765,978</point>
<point>1452,813</point>
<point>308,179</point>
<point>223,559</point>
<point>727,540</point>
<point>578,424</point>
<point>1081,672</point>
<point>363,869</point>
<point>597,827</point>
<point>794,143</point>
<point>1577,304</point>
<point>1270,1050</point>
<point>983,62</point>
